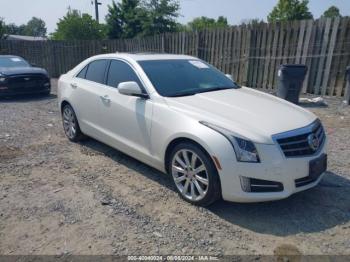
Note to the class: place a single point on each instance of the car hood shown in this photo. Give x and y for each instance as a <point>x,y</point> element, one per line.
<point>22,70</point>
<point>245,112</point>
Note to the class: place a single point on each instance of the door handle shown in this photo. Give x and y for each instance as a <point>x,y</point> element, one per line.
<point>74,85</point>
<point>105,99</point>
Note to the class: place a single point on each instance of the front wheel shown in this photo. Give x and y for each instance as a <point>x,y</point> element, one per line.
<point>194,174</point>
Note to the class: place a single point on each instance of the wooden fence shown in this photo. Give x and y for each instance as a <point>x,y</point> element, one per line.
<point>251,53</point>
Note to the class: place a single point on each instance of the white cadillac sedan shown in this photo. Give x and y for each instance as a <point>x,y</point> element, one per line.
<point>184,117</point>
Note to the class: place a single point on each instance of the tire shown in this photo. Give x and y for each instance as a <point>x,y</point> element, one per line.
<point>189,176</point>
<point>70,124</point>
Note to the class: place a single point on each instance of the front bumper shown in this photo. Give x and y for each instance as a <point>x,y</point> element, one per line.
<point>25,84</point>
<point>9,91</point>
<point>274,166</point>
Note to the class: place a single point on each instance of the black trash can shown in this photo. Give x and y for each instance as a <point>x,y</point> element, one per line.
<point>290,82</point>
<point>347,91</point>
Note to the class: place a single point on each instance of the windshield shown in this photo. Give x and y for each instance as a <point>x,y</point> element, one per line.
<point>185,77</point>
<point>13,62</point>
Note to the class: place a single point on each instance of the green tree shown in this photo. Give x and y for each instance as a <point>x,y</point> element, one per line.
<point>114,22</point>
<point>204,22</point>
<point>132,16</point>
<point>287,10</point>
<point>252,22</point>
<point>13,29</point>
<point>35,27</point>
<point>182,27</point>
<point>159,16</point>
<point>124,20</point>
<point>76,26</point>
<point>222,21</point>
<point>332,12</point>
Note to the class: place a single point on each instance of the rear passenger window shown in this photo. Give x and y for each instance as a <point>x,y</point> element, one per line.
<point>82,73</point>
<point>96,71</point>
<point>121,72</point>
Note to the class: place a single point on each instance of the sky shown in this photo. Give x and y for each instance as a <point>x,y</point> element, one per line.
<point>20,11</point>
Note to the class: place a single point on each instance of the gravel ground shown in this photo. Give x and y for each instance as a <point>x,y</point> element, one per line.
<point>58,197</point>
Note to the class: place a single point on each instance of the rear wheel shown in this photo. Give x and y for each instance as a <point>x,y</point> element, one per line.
<point>70,124</point>
<point>194,174</point>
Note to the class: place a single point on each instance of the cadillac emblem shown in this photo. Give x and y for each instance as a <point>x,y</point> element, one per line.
<point>313,142</point>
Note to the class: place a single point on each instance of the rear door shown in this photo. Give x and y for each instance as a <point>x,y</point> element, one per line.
<point>86,93</point>
<point>126,119</point>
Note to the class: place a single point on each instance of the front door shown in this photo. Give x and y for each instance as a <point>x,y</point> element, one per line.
<point>126,119</point>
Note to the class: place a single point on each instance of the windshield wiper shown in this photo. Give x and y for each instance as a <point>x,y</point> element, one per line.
<point>202,91</point>
<point>179,94</point>
<point>216,89</point>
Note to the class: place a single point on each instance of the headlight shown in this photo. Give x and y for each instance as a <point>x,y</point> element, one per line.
<point>245,150</point>
<point>2,79</point>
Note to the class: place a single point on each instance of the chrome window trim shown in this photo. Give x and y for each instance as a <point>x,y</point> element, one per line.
<point>109,59</point>
<point>300,131</point>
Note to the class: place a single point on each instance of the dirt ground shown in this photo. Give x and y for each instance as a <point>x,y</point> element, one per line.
<point>57,197</point>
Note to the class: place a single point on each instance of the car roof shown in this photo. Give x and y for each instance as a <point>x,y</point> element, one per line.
<point>147,56</point>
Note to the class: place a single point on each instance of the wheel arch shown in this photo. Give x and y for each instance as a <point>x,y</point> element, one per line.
<point>63,103</point>
<point>178,140</point>
<point>80,134</point>
<point>67,102</point>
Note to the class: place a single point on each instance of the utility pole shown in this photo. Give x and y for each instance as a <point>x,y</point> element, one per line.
<point>96,10</point>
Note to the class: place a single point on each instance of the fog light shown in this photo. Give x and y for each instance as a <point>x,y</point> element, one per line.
<point>254,185</point>
<point>245,184</point>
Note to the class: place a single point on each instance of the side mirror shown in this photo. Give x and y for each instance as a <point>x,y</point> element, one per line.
<point>229,76</point>
<point>131,89</point>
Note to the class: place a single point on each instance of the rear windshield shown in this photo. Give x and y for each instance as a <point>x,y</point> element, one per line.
<point>13,62</point>
<point>183,77</point>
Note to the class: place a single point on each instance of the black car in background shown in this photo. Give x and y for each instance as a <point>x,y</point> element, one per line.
<point>17,76</point>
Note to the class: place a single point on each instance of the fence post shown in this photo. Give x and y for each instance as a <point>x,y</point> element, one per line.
<point>305,60</point>
<point>322,56</point>
<point>163,43</point>
<point>197,43</point>
<point>330,55</point>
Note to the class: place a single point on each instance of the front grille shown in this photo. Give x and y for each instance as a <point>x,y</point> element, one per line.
<point>300,143</point>
<point>27,81</point>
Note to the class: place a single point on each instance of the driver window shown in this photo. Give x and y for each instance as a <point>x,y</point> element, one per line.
<point>121,72</point>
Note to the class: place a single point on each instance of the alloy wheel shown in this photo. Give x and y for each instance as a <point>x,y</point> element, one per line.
<point>190,175</point>
<point>69,122</point>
